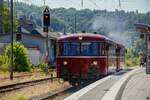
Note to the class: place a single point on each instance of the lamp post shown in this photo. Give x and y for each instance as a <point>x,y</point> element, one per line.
<point>46,24</point>
<point>11,58</point>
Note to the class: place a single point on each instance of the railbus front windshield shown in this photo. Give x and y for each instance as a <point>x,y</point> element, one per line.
<point>81,49</point>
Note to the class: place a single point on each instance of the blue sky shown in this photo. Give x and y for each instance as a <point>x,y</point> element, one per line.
<point>128,5</point>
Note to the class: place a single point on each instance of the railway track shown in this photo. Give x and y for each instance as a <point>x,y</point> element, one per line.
<point>60,94</point>
<point>18,76</point>
<point>12,87</point>
<point>53,95</point>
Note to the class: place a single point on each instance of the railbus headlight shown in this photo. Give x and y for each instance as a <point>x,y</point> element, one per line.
<point>95,63</point>
<point>80,37</point>
<point>65,62</point>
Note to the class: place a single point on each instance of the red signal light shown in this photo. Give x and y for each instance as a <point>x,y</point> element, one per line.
<point>46,17</point>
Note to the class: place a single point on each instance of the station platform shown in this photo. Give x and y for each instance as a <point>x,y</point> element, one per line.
<point>133,85</point>
<point>138,87</point>
<point>98,89</point>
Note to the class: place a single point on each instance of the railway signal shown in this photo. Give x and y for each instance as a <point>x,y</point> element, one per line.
<point>46,24</point>
<point>46,17</point>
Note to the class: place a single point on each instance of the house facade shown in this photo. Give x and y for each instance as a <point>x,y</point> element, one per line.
<point>35,40</point>
<point>36,45</point>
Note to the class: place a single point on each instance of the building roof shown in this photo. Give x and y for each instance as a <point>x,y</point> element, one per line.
<point>24,30</point>
<point>28,26</point>
<point>142,27</point>
<point>50,34</point>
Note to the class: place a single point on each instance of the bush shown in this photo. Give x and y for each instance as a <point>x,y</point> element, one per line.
<point>3,64</point>
<point>129,63</point>
<point>42,66</point>
<point>132,58</point>
<point>21,59</point>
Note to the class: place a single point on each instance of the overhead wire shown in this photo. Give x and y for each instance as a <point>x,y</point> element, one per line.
<point>120,3</point>
<point>73,2</point>
<point>94,4</point>
<point>82,2</point>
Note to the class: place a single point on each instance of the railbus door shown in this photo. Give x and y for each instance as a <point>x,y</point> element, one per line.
<point>107,58</point>
<point>117,59</point>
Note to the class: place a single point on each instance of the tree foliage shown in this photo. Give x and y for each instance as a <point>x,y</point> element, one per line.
<point>6,20</point>
<point>85,17</point>
<point>21,59</point>
<point>3,64</point>
<point>100,21</point>
<point>57,24</point>
<point>132,58</point>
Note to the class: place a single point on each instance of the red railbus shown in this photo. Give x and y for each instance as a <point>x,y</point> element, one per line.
<point>87,56</point>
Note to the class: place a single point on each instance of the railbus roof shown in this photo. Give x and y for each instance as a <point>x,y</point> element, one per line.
<point>87,37</point>
<point>84,36</point>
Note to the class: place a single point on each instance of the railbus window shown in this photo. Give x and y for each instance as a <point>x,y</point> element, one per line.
<point>101,48</point>
<point>114,50</point>
<point>79,49</point>
<point>71,48</point>
<point>89,48</point>
<point>110,50</point>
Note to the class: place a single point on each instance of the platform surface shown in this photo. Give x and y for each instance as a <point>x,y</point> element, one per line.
<point>138,87</point>
<point>99,91</point>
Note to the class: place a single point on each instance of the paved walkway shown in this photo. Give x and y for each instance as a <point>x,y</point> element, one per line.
<point>99,91</point>
<point>138,87</point>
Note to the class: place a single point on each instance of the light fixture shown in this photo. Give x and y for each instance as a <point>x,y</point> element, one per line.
<point>95,63</point>
<point>65,62</point>
<point>80,37</point>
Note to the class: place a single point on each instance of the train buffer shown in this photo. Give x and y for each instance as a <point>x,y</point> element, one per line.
<point>133,85</point>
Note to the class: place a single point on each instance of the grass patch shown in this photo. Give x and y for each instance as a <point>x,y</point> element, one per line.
<point>16,97</point>
<point>4,74</point>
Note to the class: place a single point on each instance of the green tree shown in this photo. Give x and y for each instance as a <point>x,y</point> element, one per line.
<point>132,58</point>
<point>57,24</point>
<point>6,20</point>
<point>21,59</point>
<point>3,63</point>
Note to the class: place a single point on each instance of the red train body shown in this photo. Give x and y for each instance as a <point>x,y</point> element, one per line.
<point>87,56</point>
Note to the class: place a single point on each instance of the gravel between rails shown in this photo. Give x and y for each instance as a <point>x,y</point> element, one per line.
<point>17,76</point>
<point>62,93</point>
<point>46,87</point>
<point>16,86</point>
